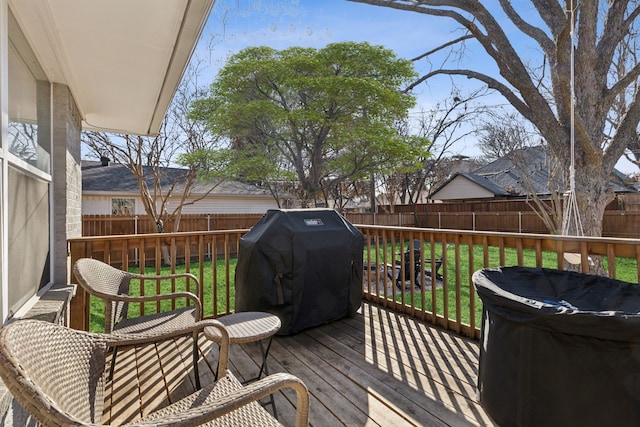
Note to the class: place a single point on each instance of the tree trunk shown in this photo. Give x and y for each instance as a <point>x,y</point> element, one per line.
<point>593,193</point>
<point>166,255</point>
<point>372,195</point>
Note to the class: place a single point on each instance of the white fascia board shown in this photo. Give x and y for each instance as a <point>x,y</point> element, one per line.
<point>122,59</point>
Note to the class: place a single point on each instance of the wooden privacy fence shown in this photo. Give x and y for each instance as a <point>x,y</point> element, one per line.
<point>401,219</point>
<point>115,225</point>
<point>615,223</point>
<point>514,222</point>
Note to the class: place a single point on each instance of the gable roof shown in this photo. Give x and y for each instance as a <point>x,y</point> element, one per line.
<point>116,178</point>
<point>506,172</point>
<point>485,183</point>
<point>504,178</point>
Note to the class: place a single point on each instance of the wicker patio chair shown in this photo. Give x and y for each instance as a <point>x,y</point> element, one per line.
<point>57,375</point>
<point>112,285</point>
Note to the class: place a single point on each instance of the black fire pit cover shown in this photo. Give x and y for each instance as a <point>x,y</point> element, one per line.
<point>558,348</point>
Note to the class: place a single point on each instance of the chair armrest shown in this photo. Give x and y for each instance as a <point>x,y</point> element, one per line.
<point>117,340</point>
<point>252,392</point>
<point>158,297</point>
<point>151,298</point>
<point>168,277</point>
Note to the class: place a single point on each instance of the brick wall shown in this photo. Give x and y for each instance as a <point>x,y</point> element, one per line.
<point>67,177</point>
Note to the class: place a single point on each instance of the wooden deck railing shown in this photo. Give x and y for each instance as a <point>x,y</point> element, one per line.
<point>454,305</point>
<point>212,256</point>
<point>390,277</point>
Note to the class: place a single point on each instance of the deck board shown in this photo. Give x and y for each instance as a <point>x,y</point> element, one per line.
<point>124,387</point>
<point>378,368</point>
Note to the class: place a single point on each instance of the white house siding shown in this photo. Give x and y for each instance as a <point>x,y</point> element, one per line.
<point>229,204</point>
<point>101,204</point>
<point>462,188</point>
<point>93,205</point>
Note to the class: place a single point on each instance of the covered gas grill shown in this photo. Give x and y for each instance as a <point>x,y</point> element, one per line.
<point>303,265</point>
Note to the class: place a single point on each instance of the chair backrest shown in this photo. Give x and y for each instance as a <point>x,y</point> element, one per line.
<point>104,281</point>
<point>55,373</point>
<point>417,252</point>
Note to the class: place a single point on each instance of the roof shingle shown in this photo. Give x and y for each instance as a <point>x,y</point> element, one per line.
<point>118,178</point>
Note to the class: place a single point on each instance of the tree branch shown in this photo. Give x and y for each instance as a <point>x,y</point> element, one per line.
<point>626,131</point>
<point>553,15</point>
<point>532,31</point>
<point>615,28</point>
<point>443,46</point>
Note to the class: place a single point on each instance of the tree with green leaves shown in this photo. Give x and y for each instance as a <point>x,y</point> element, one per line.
<point>322,119</point>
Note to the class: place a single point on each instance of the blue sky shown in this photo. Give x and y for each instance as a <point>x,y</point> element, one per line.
<point>236,24</point>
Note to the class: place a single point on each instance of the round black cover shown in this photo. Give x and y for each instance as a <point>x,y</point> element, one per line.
<point>558,348</point>
<point>565,301</point>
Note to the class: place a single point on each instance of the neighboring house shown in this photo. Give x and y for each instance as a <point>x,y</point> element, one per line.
<point>65,66</point>
<point>111,188</point>
<point>510,177</point>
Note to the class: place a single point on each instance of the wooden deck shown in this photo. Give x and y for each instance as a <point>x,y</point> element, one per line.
<point>379,368</point>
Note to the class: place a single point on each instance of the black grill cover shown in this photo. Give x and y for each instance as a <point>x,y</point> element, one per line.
<point>305,266</point>
<point>558,348</point>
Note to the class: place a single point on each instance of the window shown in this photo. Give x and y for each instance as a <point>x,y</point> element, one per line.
<point>123,207</point>
<point>29,136</point>
<point>29,166</point>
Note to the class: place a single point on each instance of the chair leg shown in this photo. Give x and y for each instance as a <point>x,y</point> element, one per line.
<point>195,360</point>
<point>264,368</point>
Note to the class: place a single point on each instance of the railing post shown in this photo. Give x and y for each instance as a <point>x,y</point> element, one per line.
<point>209,229</point>
<point>79,305</point>
<point>135,231</point>
<point>520,221</point>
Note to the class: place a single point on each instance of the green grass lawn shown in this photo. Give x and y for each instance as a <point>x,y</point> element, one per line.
<point>626,269</point>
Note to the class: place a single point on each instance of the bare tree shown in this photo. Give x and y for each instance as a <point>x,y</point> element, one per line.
<point>445,125</point>
<point>542,91</point>
<point>503,134</point>
<point>507,136</point>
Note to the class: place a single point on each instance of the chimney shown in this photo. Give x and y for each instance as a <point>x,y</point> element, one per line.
<point>105,160</point>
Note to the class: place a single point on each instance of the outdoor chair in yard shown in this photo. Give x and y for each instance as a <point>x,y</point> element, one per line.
<point>112,285</point>
<point>57,375</point>
<point>418,268</point>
